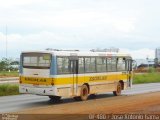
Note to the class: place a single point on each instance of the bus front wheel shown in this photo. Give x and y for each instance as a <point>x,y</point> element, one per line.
<point>118,89</point>
<point>84,92</point>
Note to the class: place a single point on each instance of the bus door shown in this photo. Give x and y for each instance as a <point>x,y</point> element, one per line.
<point>74,75</point>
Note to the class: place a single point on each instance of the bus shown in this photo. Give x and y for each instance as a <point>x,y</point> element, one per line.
<point>73,73</point>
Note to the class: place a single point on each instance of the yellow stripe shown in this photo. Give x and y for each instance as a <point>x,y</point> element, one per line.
<point>70,80</point>
<point>35,80</point>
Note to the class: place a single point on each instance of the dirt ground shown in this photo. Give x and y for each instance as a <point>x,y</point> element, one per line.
<point>141,103</point>
<point>148,103</point>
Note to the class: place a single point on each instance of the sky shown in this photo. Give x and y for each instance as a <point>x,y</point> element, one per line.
<point>131,25</point>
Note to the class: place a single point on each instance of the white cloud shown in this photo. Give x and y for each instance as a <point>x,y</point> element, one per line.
<point>142,53</point>
<point>98,15</point>
<point>39,24</point>
<point>15,3</point>
<point>124,25</point>
<point>43,40</point>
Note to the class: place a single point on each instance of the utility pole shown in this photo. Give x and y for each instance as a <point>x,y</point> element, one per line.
<point>6,43</point>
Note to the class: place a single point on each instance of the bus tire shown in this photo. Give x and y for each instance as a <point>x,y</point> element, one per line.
<point>55,99</point>
<point>118,90</point>
<point>84,92</point>
<point>92,96</point>
<point>77,98</point>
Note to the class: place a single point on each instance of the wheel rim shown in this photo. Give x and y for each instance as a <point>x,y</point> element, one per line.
<point>84,92</point>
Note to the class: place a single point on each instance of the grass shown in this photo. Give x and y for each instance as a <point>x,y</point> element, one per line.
<point>9,89</point>
<point>152,77</point>
<point>9,74</point>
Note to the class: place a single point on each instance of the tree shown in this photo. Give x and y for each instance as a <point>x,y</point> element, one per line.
<point>5,64</point>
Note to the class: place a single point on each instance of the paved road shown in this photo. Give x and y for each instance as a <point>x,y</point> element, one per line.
<point>9,80</point>
<point>21,102</point>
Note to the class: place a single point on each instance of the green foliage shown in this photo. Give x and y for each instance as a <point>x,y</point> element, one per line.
<point>151,70</point>
<point>9,89</point>
<point>8,64</point>
<point>9,74</point>
<point>152,77</point>
<point>4,64</point>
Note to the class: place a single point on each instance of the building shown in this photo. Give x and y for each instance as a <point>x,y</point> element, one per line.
<point>144,62</point>
<point>157,55</point>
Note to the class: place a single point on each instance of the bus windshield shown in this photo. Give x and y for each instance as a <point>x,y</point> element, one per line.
<point>36,60</point>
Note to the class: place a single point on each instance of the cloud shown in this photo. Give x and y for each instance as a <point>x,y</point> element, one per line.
<point>15,3</point>
<point>80,15</point>
<point>39,24</point>
<point>142,53</point>
<point>43,40</point>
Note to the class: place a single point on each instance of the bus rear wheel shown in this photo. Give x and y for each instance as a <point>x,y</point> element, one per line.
<point>118,90</point>
<point>92,96</point>
<point>84,92</point>
<point>77,98</point>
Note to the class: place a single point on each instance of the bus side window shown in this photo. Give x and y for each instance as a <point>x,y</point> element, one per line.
<point>90,64</point>
<point>114,64</point>
<point>109,64</point>
<point>101,64</point>
<point>121,64</point>
<point>81,65</point>
<point>63,65</point>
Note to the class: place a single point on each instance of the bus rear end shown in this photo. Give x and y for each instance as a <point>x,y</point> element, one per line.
<point>35,74</point>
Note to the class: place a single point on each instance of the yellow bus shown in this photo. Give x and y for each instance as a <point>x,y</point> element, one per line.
<point>73,73</point>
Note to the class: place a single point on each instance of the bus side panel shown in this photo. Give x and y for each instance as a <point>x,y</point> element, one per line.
<point>98,86</point>
<point>107,85</point>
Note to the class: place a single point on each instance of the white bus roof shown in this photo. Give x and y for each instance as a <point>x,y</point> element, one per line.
<point>80,53</point>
